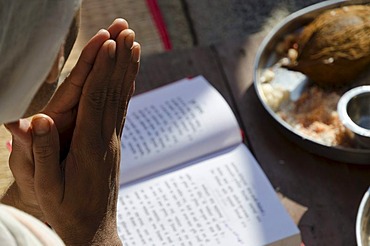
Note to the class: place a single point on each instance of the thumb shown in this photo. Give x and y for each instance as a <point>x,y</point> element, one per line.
<point>45,147</point>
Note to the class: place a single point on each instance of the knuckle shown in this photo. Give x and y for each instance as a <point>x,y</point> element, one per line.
<point>96,99</point>
<point>42,152</point>
<point>122,65</point>
<point>114,96</point>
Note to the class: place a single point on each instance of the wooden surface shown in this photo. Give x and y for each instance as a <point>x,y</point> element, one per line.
<point>321,195</point>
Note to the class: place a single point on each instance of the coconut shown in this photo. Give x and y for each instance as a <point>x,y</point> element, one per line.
<point>335,47</point>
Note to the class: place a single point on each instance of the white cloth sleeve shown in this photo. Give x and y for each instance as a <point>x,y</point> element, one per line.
<point>19,228</point>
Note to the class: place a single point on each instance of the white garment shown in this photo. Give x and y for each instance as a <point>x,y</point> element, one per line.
<point>18,228</point>
<point>31,34</point>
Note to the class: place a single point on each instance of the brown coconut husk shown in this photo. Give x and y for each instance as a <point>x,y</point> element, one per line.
<point>335,47</point>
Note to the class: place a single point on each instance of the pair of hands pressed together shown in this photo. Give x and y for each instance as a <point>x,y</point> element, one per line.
<point>66,160</point>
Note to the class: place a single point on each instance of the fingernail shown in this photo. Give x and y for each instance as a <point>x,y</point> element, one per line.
<point>102,31</point>
<point>112,49</point>
<point>40,125</point>
<point>120,20</point>
<point>136,52</point>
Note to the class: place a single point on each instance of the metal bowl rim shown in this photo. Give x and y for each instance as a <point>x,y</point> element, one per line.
<point>360,213</point>
<point>343,113</point>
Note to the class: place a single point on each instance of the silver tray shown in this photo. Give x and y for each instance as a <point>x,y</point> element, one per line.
<point>266,57</point>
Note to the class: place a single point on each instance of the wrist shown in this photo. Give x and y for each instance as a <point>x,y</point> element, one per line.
<point>12,197</point>
<point>9,196</point>
<point>112,240</point>
<point>105,234</point>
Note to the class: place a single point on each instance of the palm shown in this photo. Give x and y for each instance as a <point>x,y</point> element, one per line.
<point>63,106</point>
<point>85,190</point>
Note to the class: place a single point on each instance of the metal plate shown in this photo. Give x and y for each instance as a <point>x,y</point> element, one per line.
<point>266,57</point>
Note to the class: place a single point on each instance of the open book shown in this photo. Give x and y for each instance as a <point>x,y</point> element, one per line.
<point>187,178</point>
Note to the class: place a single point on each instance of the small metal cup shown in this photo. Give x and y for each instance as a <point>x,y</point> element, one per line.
<point>354,112</point>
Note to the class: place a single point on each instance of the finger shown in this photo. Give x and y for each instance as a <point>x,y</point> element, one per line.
<point>128,89</point>
<point>94,94</point>
<point>48,174</point>
<point>21,157</point>
<point>125,41</point>
<point>117,84</point>
<point>117,26</point>
<point>20,131</point>
<point>68,94</point>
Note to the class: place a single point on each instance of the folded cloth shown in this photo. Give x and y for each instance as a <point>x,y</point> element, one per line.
<point>19,228</point>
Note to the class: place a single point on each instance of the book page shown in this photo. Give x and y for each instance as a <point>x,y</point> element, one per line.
<point>226,200</point>
<point>174,124</point>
